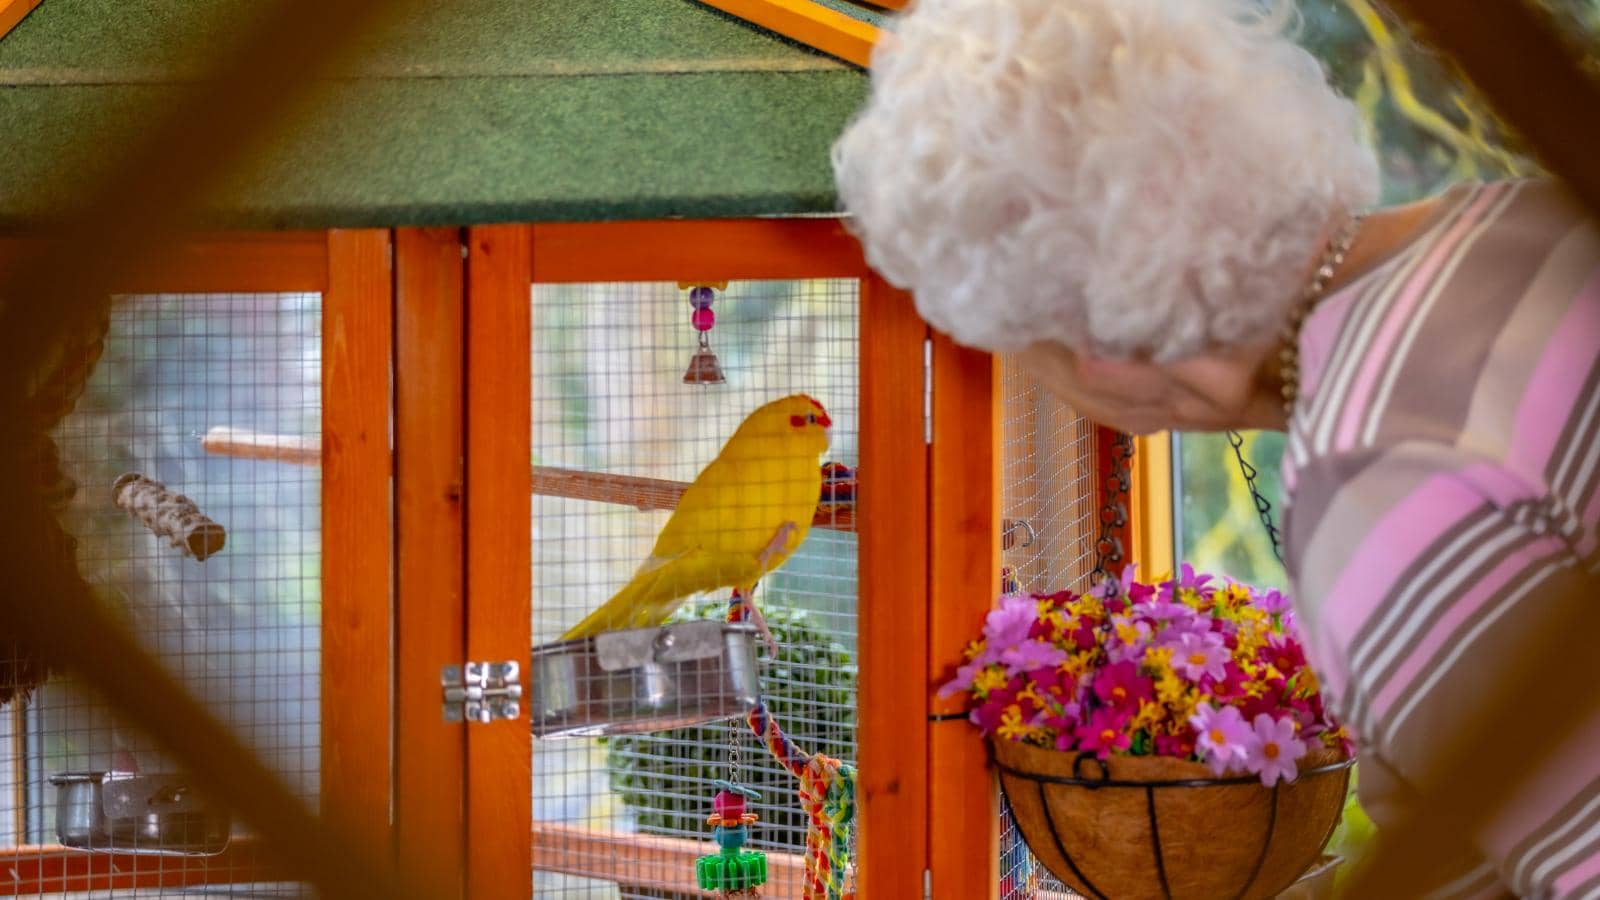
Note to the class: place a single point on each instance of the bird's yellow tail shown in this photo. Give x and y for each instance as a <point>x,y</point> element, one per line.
<point>656,589</point>
<point>632,607</point>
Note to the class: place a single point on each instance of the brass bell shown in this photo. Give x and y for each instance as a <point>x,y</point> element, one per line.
<point>703,367</point>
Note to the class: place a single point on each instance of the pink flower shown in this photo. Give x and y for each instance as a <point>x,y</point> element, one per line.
<point>1032,654</point>
<point>1222,736</point>
<point>1122,687</point>
<point>1272,601</point>
<point>1008,624</point>
<point>1273,750</point>
<point>964,676</point>
<point>1197,656</point>
<point>1106,730</point>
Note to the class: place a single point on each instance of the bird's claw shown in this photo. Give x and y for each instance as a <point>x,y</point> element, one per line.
<point>754,617</point>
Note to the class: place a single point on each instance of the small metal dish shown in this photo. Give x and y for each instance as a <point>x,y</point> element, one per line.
<point>123,812</point>
<point>644,679</point>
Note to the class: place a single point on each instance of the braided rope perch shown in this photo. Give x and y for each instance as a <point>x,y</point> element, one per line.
<point>827,795</point>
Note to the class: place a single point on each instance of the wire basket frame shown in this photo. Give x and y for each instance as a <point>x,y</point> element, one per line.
<point>623,816</point>
<point>1091,773</point>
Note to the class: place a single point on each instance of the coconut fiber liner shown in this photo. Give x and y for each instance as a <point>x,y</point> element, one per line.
<point>1154,828</point>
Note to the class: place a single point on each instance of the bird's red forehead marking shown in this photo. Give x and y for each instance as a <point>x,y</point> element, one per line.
<point>813,402</point>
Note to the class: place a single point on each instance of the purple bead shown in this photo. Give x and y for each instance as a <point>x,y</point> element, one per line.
<point>703,319</point>
<point>701,297</point>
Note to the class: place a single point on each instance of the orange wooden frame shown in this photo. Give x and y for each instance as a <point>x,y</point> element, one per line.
<point>51,869</point>
<point>499,590</point>
<point>357,530</point>
<point>964,806</point>
<point>892,520</point>
<point>14,11</point>
<point>351,270</point>
<point>810,23</point>
<point>430,755</point>
<point>695,250</point>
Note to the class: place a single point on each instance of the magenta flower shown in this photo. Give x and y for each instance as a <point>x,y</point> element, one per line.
<point>1188,579</point>
<point>1105,732</point>
<point>1222,736</point>
<point>1180,745</point>
<point>1273,750</point>
<point>1121,686</point>
<point>1197,656</point>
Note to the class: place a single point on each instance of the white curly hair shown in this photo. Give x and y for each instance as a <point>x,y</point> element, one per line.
<point>1130,178</point>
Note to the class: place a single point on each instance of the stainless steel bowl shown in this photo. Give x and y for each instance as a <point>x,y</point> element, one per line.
<point>120,812</point>
<point>644,679</point>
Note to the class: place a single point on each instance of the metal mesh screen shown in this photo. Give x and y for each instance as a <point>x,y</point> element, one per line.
<point>240,629</point>
<point>1048,497</point>
<point>610,399</point>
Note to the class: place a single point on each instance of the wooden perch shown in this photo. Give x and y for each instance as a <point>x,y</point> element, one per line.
<point>301,451</point>
<point>646,861</point>
<point>548,481</point>
<point>169,514</point>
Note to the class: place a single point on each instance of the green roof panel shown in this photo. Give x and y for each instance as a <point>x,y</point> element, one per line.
<point>467,112</point>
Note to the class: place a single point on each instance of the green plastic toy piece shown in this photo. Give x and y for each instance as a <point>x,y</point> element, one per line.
<point>731,870</point>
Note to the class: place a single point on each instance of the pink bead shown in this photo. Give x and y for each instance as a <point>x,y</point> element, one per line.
<point>703,319</point>
<point>728,805</point>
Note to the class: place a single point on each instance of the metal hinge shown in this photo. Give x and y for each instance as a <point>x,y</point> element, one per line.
<point>927,390</point>
<point>482,691</point>
<point>927,884</point>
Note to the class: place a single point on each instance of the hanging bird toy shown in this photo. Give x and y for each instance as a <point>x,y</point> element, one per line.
<point>732,871</point>
<point>703,366</point>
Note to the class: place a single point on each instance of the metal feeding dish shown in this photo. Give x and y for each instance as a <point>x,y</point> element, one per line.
<point>644,679</point>
<point>123,812</point>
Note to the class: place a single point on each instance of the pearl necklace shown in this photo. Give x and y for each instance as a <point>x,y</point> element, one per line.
<point>1289,355</point>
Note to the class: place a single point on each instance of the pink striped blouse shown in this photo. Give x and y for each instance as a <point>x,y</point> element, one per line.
<point>1443,476</point>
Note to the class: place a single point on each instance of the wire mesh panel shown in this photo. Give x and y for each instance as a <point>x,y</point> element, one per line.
<point>617,434</point>
<point>213,560</point>
<point>1048,497</point>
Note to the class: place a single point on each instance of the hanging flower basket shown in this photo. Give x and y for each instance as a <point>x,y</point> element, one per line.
<point>1162,741</point>
<point>1153,827</point>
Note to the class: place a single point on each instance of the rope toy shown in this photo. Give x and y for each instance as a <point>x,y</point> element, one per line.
<point>827,795</point>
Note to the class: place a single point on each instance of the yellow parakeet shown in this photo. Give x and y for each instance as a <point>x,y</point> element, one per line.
<point>745,513</point>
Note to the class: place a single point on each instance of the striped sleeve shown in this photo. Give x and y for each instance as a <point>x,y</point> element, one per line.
<point>1443,480</point>
<point>1452,588</point>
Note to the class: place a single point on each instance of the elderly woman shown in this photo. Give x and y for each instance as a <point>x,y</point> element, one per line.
<point>1161,207</point>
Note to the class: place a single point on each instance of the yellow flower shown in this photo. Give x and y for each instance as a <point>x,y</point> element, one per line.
<point>1171,690</point>
<point>1150,715</point>
<point>1158,660</point>
<point>992,678</point>
<point>1078,664</point>
<point>1011,725</point>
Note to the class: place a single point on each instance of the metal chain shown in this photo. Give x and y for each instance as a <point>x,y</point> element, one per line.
<point>1263,506</point>
<point>735,732</point>
<point>1114,512</point>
